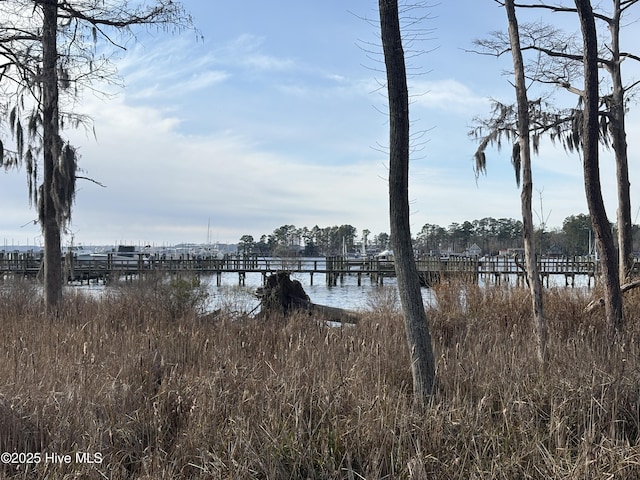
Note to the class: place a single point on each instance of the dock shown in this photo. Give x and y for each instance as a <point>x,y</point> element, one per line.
<point>430,269</point>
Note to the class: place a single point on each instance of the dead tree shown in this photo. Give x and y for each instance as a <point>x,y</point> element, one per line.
<point>523,152</point>
<point>559,63</point>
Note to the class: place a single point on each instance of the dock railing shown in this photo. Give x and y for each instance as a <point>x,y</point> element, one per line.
<point>431,269</point>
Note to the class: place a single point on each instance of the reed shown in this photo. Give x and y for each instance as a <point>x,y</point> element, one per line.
<point>161,392</point>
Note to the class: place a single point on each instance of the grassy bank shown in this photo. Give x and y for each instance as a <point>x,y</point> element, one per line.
<point>159,393</point>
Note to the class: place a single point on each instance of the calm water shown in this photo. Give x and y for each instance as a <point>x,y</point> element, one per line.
<point>346,294</point>
<point>241,298</point>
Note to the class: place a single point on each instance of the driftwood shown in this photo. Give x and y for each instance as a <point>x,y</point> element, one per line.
<point>282,296</point>
<point>334,314</point>
<point>599,302</point>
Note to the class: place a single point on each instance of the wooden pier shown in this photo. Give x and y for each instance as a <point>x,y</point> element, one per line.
<point>431,269</point>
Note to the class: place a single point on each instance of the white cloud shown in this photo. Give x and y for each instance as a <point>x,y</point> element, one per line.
<point>286,130</point>
<point>166,88</point>
<point>448,95</point>
<point>170,68</point>
<point>246,50</point>
<point>161,182</point>
<point>164,186</point>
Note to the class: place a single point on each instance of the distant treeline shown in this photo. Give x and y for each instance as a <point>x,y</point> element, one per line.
<point>490,234</point>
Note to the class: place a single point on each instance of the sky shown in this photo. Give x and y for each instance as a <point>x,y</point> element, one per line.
<point>277,115</point>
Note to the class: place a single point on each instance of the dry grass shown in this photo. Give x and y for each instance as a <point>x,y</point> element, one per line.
<point>160,393</point>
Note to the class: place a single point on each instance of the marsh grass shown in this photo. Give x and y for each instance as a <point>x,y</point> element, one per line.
<point>161,394</point>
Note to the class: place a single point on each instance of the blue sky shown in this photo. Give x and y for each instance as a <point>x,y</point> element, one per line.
<point>278,117</point>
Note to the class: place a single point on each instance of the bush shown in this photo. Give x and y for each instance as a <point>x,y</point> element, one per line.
<point>162,295</point>
<point>185,296</point>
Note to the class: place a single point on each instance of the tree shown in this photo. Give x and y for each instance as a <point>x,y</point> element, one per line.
<point>612,121</point>
<point>310,249</point>
<point>482,233</point>
<point>426,238</point>
<point>467,231</point>
<point>577,231</point>
<point>519,130</point>
<point>246,244</point>
<point>415,319</point>
<point>283,235</point>
<point>382,240</point>
<point>318,239</point>
<point>560,64</point>
<point>591,128</point>
<point>262,246</point>
<point>616,126</point>
<point>522,160</point>
<point>456,236</point>
<point>49,50</point>
<point>346,235</point>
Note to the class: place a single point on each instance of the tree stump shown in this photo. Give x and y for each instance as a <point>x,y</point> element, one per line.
<point>282,295</point>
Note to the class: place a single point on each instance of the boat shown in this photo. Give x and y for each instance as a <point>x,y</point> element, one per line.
<point>184,251</point>
<point>385,255</point>
<point>123,255</point>
<point>78,252</point>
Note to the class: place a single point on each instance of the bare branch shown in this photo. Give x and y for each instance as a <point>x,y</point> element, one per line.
<point>80,177</point>
<point>630,55</point>
<point>558,9</point>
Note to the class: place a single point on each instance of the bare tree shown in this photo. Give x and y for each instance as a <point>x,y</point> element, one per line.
<point>415,319</point>
<point>560,64</point>
<point>617,129</point>
<point>576,132</point>
<point>604,236</point>
<point>49,47</point>
<point>523,161</point>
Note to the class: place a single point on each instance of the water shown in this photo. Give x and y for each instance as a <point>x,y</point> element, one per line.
<point>241,298</point>
<point>346,294</point>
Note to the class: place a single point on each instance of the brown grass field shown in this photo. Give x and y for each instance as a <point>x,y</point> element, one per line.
<point>150,390</point>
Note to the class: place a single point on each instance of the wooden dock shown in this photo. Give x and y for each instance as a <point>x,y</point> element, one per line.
<point>334,269</point>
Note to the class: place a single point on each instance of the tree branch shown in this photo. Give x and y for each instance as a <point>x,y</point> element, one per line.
<point>157,15</point>
<point>79,177</point>
<point>568,56</point>
<point>630,55</point>
<point>556,8</point>
<point>599,302</point>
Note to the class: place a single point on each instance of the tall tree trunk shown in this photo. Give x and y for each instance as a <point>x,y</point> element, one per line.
<point>602,228</point>
<point>619,143</point>
<point>415,319</point>
<point>535,286</point>
<point>51,153</point>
